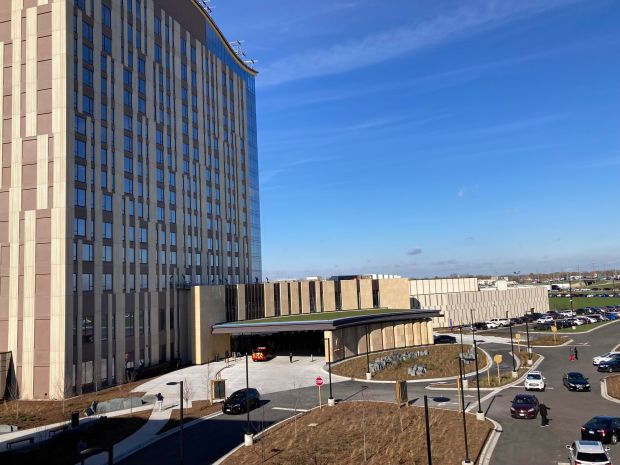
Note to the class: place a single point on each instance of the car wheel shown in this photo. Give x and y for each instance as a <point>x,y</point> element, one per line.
<point>611,370</point>
<point>614,438</point>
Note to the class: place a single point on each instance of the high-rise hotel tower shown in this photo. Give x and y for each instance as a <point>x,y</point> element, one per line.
<point>129,173</point>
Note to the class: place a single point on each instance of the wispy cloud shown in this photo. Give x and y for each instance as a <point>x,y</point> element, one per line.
<point>387,45</point>
<point>414,251</point>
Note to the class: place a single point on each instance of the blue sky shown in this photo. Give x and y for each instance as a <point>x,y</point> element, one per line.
<point>428,138</point>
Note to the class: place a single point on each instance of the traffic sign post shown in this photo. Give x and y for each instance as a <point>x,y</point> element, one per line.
<point>554,330</point>
<point>497,358</point>
<point>518,338</point>
<point>319,382</point>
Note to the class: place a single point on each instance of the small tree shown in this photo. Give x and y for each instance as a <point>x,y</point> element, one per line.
<point>131,376</point>
<point>206,379</point>
<point>188,391</point>
<point>13,395</point>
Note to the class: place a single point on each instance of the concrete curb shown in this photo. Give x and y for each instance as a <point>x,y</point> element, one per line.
<point>604,393</point>
<point>425,380</point>
<point>491,443</point>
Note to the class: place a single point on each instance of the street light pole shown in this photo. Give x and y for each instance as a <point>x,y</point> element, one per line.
<point>181,448</point>
<point>368,374</point>
<point>479,413</point>
<point>466,461</point>
<point>248,439</point>
<point>527,332</point>
<point>330,401</point>
<point>512,348</point>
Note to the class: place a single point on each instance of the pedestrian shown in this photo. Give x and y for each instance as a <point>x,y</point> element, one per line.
<point>160,400</point>
<point>290,357</point>
<point>543,409</point>
<point>576,354</point>
<point>571,355</point>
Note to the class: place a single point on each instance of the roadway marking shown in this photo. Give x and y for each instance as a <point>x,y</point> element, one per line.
<point>290,409</point>
<point>521,386</point>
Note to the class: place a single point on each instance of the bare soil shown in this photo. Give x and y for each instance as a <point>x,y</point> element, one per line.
<point>613,386</point>
<point>33,413</point>
<point>440,362</point>
<point>375,433</point>
<point>199,409</point>
<point>62,449</point>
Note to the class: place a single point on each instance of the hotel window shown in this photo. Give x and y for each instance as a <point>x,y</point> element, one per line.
<point>106,230</point>
<point>143,235</point>
<point>106,16</point>
<point>80,197</point>
<point>87,252</point>
<point>129,324</point>
<point>106,44</point>
<point>106,202</point>
<point>106,253</point>
<point>79,173</point>
<point>144,281</point>
<point>79,226</point>
<point>107,286</point>
<point>87,282</point>
<point>88,104</point>
<point>87,31</point>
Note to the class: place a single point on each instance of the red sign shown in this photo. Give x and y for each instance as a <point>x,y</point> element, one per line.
<point>318,381</point>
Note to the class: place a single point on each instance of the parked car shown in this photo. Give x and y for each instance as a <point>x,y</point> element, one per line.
<point>575,381</point>
<point>491,324</point>
<point>543,326</point>
<point>588,453</point>
<point>241,400</point>
<point>517,321</point>
<point>544,319</point>
<point>444,339</point>
<point>605,357</point>
<point>524,406</point>
<point>534,381</point>
<point>610,365</point>
<point>261,354</point>
<point>602,428</point>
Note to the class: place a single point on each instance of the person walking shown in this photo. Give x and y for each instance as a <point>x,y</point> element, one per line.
<point>290,357</point>
<point>160,400</point>
<point>544,410</point>
<point>576,354</point>
<point>571,355</point>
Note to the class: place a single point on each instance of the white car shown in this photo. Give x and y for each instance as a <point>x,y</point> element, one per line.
<point>491,325</point>
<point>588,453</point>
<point>606,357</point>
<point>567,313</point>
<point>544,319</point>
<point>500,321</point>
<point>534,381</point>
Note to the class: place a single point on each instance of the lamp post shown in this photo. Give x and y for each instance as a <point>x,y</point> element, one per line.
<point>181,452</point>
<point>466,461</point>
<point>330,400</point>
<point>527,333</point>
<point>249,439</point>
<point>428,432</point>
<point>368,374</point>
<point>479,413</point>
<point>570,296</point>
<point>512,349</point>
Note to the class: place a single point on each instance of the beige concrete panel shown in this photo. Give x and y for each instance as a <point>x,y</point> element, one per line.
<point>284,306</point>
<point>388,335</point>
<point>241,311</point>
<point>304,296</point>
<point>28,324</point>
<point>294,293</point>
<point>376,337</point>
<point>423,333</point>
<point>2,83</point>
<point>417,336</point>
<point>394,293</point>
<point>329,296</point>
<point>31,72</point>
<point>42,171</point>
<point>268,300</point>
<point>399,335</point>
<point>429,331</point>
<point>365,293</point>
<point>328,345</point>
<point>348,294</point>
<point>409,334</point>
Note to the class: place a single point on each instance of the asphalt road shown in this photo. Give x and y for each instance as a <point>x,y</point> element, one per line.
<point>523,442</point>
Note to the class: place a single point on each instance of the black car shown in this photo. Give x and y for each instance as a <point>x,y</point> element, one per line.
<point>524,406</point>
<point>575,381</point>
<point>610,365</point>
<point>444,339</point>
<point>603,428</point>
<point>241,400</point>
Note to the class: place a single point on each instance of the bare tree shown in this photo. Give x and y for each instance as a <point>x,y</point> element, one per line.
<point>62,388</point>
<point>206,379</point>
<point>13,394</point>
<point>188,392</point>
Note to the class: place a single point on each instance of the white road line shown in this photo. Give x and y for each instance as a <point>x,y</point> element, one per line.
<point>563,463</point>
<point>521,386</point>
<point>289,409</point>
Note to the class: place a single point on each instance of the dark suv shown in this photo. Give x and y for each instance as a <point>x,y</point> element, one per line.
<point>242,400</point>
<point>603,428</point>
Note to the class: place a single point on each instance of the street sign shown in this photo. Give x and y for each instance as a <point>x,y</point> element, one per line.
<point>554,328</point>
<point>497,358</point>
<point>518,336</point>
<point>318,381</point>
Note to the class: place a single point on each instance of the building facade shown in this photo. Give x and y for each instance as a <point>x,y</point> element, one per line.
<point>457,297</point>
<point>129,172</point>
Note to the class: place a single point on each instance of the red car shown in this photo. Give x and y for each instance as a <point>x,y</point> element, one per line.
<point>261,354</point>
<point>524,406</point>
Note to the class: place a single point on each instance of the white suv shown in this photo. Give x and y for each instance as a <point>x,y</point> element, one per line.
<point>604,358</point>
<point>588,453</point>
<point>534,381</point>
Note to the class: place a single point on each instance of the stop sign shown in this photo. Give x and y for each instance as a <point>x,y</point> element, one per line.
<point>318,381</point>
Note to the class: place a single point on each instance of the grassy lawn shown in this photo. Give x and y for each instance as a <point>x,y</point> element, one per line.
<point>440,362</point>
<point>563,303</point>
<point>62,450</point>
<point>375,433</point>
<point>613,386</point>
<point>320,316</point>
<point>490,379</point>
<point>547,339</point>
<point>33,413</point>
<point>199,409</point>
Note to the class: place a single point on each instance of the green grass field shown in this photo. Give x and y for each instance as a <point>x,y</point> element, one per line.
<point>563,303</point>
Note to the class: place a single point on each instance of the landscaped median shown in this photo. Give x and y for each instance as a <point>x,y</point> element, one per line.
<point>365,432</point>
<point>490,380</point>
<point>440,361</point>
<point>613,386</point>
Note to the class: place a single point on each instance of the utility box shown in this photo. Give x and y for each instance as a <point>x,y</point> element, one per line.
<point>401,392</point>
<point>218,390</point>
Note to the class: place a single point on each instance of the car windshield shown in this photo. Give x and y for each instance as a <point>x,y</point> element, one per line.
<point>575,376</point>
<point>523,400</point>
<point>592,457</point>
<point>534,376</point>
<point>238,395</point>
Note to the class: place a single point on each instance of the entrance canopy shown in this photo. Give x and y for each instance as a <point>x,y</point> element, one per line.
<point>324,321</point>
